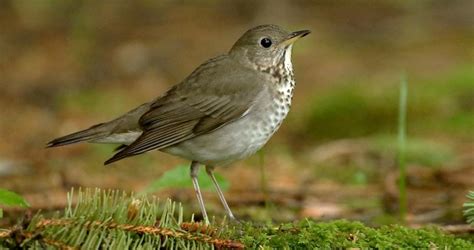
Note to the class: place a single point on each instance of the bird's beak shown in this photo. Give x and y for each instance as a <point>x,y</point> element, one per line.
<point>293,37</point>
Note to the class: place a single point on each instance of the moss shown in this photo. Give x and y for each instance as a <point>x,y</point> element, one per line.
<point>308,234</point>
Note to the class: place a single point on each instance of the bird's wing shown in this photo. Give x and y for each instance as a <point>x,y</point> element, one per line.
<point>209,98</point>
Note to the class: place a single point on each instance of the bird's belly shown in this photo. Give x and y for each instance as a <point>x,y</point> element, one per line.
<point>230,143</point>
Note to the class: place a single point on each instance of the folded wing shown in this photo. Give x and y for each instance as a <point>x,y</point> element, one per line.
<point>194,107</point>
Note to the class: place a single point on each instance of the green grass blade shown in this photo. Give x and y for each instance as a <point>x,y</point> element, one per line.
<point>402,114</point>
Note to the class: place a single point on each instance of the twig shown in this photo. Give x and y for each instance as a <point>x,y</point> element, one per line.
<point>26,236</point>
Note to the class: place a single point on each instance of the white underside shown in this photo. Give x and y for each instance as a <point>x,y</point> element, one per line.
<point>225,145</point>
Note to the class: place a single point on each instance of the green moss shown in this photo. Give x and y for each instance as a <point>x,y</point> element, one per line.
<point>341,234</point>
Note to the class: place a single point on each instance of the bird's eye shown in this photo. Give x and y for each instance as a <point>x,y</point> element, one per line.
<point>266,42</point>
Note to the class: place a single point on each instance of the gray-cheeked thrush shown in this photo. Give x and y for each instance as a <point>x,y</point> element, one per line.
<point>226,110</point>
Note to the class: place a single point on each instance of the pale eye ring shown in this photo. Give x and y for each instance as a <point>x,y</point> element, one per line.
<point>266,42</point>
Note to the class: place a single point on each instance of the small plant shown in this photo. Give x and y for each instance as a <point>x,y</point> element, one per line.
<point>114,220</point>
<point>9,198</point>
<point>469,208</point>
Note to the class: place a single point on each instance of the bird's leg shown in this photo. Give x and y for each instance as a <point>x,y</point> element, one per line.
<point>194,175</point>
<point>209,170</point>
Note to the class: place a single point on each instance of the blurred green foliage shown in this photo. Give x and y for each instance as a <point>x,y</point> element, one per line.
<point>9,198</point>
<point>442,103</point>
<point>423,152</point>
<point>179,177</point>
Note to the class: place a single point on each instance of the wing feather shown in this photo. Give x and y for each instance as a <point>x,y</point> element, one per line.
<point>182,113</point>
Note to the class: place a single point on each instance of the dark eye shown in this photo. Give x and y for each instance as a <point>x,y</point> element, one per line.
<point>266,42</point>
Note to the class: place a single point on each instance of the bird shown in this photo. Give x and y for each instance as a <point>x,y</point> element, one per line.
<point>224,111</point>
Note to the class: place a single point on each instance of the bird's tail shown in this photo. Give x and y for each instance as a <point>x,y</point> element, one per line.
<point>93,133</point>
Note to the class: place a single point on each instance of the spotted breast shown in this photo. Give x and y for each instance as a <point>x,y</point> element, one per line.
<point>247,135</point>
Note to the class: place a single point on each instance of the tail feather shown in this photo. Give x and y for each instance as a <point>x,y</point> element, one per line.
<point>92,133</point>
<point>127,123</point>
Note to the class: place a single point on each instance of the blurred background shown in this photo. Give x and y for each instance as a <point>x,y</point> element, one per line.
<point>65,65</point>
